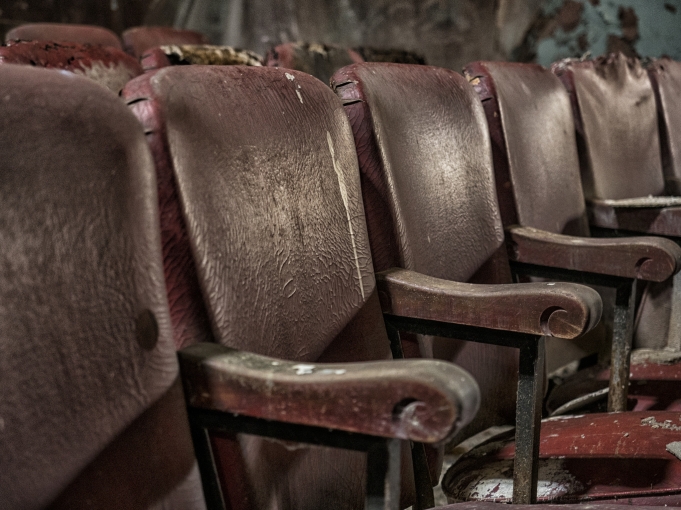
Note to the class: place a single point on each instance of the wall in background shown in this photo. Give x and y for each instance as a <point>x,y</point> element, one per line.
<point>570,28</point>
<point>449,33</point>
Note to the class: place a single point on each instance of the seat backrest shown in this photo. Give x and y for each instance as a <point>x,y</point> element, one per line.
<point>204,54</point>
<point>88,371</point>
<point>533,141</point>
<point>137,40</point>
<point>109,67</point>
<point>63,32</point>
<point>319,60</point>
<point>394,55</point>
<point>665,75</point>
<point>429,195</point>
<point>616,123</point>
<point>265,245</point>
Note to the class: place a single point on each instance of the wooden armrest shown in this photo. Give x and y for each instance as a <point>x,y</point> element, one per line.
<point>563,310</point>
<point>649,215</point>
<point>420,400</point>
<point>646,258</point>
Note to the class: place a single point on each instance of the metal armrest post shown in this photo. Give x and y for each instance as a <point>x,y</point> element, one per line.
<point>528,419</point>
<point>625,304</point>
<point>622,334</point>
<point>530,389</point>
<point>383,475</point>
<point>212,491</point>
<point>423,485</point>
<point>383,454</point>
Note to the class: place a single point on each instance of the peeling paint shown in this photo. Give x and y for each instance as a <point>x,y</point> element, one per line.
<point>303,369</point>
<point>495,482</point>
<point>344,196</point>
<point>652,422</point>
<point>675,449</point>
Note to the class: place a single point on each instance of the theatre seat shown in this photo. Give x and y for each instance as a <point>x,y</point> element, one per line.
<point>319,60</point>
<point>620,157</point>
<point>107,66</point>
<point>92,413</point>
<point>428,189</point>
<point>543,209</point>
<point>265,251</point>
<point>202,54</point>
<point>137,40</point>
<point>64,32</point>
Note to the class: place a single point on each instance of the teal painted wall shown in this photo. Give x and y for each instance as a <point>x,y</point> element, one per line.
<point>606,25</point>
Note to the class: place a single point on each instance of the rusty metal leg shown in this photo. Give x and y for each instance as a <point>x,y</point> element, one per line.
<point>621,346</point>
<point>528,421</point>
<point>395,341</point>
<point>212,491</point>
<point>383,475</point>
<point>425,498</point>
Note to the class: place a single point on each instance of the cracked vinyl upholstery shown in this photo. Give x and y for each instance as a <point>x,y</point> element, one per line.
<point>91,410</point>
<point>265,248</point>
<point>429,195</point>
<point>616,123</point>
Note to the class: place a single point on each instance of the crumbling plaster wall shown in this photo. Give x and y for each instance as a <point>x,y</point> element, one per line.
<point>449,33</point>
<point>571,28</point>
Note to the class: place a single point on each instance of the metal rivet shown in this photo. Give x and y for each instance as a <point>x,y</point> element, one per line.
<point>146,330</point>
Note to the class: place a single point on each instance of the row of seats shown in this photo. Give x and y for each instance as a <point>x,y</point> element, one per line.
<point>272,216</point>
<point>157,47</point>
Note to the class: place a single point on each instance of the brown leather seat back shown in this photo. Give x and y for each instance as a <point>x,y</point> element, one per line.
<point>105,65</point>
<point>137,40</point>
<point>267,176</point>
<point>428,188</point>
<point>90,409</point>
<point>319,60</point>
<point>665,75</point>
<point>63,32</point>
<point>535,152</point>
<point>265,247</point>
<point>616,123</point>
<point>427,168</point>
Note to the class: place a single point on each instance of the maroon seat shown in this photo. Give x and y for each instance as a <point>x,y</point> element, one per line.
<point>204,54</point>
<point>539,186</point>
<point>63,32</point>
<point>265,250</point>
<point>91,409</point>
<point>138,40</point>
<point>319,60</point>
<point>617,133</point>
<point>428,189</point>
<point>107,66</point>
